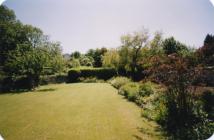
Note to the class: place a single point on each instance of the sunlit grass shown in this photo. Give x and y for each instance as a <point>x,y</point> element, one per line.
<point>72,112</point>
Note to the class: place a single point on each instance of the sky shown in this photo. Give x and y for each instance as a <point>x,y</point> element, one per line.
<point>83,24</point>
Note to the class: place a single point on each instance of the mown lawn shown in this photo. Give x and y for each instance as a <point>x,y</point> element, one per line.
<point>72,112</point>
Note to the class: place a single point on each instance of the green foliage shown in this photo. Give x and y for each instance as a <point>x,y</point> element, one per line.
<point>86,61</point>
<point>97,55</point>
<point>6,15</point>
<point>130,91</point>
<point>125,60</point>
<point>26,51</point>
<point>156,42</point>
<point>27,61</point>
<point>100,73</point>
<point>146,89</point>
<point>55,59</point>
<point>135,92</point>
<point>190,55</point>
<point>131,51</point>
<point>118,82</point>
<point>76,55</point>
<point>170,46</point>
<point>74,63</point>
<point>111,59</point>
<point>161,111</point>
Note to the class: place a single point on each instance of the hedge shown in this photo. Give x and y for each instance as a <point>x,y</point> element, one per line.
<point>99,73</point>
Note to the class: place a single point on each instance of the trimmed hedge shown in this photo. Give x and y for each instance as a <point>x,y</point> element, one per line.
<point>100,73</point>
<point>22,83</point>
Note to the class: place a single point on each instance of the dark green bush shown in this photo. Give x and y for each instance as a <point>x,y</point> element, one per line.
<point>17,83</point>
<point>6,84</point>
<point>24,82</point>
<point>74,75</point>
<point>208,103</point>
<point>99,73</point>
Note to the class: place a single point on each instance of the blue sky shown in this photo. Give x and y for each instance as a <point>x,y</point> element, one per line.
<point>84,24</point>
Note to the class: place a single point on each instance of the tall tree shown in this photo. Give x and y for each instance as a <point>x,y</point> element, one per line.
<point>27,61</point>
<point>133,43</point>
<point>6,15</point>
<point>170,46</point>
<point>111,59</point>
<point>97,55</point>
<point>206,53</point>
<point>11,33</point>
<point>76,55</point>
<point>25,50</point>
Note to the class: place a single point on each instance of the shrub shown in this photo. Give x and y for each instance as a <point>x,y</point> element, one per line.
<point>74,63</point>
<point>73,75</point>
<point>24,82</point>
<point>119,81</point>
<point>86,61</point>
<point>99,73</point>
<point>53,79</point>
<point>208,103</point>
<point>192,124</point>
<point>6,84</point>
<point>130,91</point>
<point>16,83</point>
<point>161,112</point>
<point>146,89</point>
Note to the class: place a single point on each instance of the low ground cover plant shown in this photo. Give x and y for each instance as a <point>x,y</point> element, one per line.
<point>130,91</point>
<point>91,80</point>
<point>118,82</point>
<point>133,91</point>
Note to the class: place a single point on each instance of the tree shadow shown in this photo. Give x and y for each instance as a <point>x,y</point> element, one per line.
<point>45,90</point>
<point>18,91</point>
<point>137,137</point>
<point>159,132</point>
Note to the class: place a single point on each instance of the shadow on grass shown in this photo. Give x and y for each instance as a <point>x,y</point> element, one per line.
<point>137,137</point>
<point>158,132</point>
<point>45,90</point>
<point>15,91</point>
<point>20,91</point>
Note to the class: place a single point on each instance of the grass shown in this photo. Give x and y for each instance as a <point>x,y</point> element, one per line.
<point>72,112</point>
